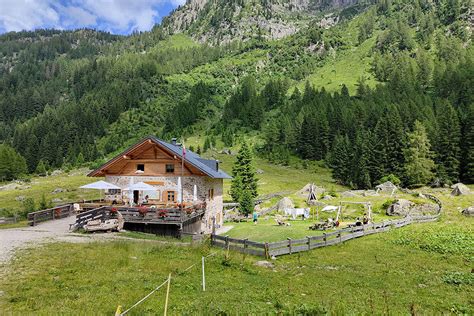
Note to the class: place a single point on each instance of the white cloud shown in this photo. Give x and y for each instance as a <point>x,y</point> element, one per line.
<point>120,16</point>
<point>17,15</point>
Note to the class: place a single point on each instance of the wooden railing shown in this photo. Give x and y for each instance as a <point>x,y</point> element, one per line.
<point>57,212</point>
<point>83,218</point>
<point>8,220</point>
<point>138,215</point>
<point>291,246</point>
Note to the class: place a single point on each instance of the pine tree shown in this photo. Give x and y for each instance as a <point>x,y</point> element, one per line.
<point>447,144</point>
<point>418,163</point>
<point>341,159</point>
<point>12,164</point>
<point>467,166</point>
<point>243,172</point>
<point>41,168</point>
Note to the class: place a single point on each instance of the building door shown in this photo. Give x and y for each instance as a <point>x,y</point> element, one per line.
<point>136,195</point>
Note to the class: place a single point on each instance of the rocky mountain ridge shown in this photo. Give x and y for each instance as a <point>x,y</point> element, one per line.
<point>224,21</point>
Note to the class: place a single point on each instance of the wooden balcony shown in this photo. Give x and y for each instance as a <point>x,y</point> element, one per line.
<point>181,218</point>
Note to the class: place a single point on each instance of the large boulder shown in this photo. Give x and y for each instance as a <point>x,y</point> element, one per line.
<point>386,187</point>
<point>400,208</point>
<point>460,189</point>
<point>349,194</point>
<point>285,204</point>
<point>468,211</point>
<point>425,209</point>
<point>305,190</point>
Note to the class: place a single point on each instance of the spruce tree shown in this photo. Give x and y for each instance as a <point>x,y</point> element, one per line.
<point>447,144</point>
<point>341,159</point>
<point>244,182</point>
<point>467,162</point>
<point>418,163</point>
<point>12,164</point>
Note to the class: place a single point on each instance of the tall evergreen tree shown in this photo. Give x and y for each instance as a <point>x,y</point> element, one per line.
<point>447,143</point>
<point>12,164</point>
<point>418,163</point>
<point>244,182</point>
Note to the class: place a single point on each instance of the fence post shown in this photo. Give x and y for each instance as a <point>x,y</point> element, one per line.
<point>52,214</point>
<point>167,294</point>
<point>325,238</point>
<point>289,244</point>
<point>203,277</point>
<point>267,252</point>
<point>309,242</point>
<point>227,242</point>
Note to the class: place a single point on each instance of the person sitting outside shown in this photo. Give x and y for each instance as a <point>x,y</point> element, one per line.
<point>365,219</point>
<point>145,200</point>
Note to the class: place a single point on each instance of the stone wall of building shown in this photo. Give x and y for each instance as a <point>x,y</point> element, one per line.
<point>214,205</point>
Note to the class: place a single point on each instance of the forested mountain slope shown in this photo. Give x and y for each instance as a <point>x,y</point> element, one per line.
<point>346,85</point>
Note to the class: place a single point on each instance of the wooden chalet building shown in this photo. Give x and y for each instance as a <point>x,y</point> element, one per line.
<point>159,165</point>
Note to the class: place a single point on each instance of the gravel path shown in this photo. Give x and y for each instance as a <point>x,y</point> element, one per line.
<point>55,231</point>
<point>13,238</point>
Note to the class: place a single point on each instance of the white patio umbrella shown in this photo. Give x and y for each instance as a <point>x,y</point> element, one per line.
<point>180,192</point>
<point>195,193</point>
<point>100,185</point>
<point>130,192</point>
<point>140,186</point>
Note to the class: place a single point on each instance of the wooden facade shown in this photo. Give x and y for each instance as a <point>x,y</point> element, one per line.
<point>162,166</point>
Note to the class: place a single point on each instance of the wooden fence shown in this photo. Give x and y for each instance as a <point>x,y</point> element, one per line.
<point>97,213</point>
<point>57,212</point>
<point>8,220</point>
<point>290,246</point>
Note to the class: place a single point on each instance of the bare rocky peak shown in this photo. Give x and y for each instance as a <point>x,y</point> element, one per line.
<point>222,21</point>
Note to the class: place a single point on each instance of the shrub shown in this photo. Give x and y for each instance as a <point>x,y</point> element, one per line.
<point>392,178</point>
<point>29,206</point>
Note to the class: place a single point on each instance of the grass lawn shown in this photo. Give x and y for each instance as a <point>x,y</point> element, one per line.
<point>421,269</point>
<point>38,186</point>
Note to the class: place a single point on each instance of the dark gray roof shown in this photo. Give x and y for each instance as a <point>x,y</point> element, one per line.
<point>209,166</point>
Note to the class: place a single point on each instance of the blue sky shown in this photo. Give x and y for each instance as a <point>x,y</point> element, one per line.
<point>115,16</point>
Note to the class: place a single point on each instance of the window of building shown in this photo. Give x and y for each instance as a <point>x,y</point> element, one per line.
<point>170,196</point>
<point>114,191</point>
<point>140,167</point>
<point>169,168</point>
<point>211,194</point>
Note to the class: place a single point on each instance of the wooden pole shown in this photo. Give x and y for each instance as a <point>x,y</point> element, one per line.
<point>203,277</point>
<point>167,294</point>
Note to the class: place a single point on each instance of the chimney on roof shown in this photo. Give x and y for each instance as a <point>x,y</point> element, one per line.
<point>173,141</point>
<point>217,165</point>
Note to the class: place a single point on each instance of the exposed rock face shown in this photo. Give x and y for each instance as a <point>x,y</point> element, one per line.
<point>460,189</point>
<point>400,208</point>
<point>305,190</point>
<point>468,211</point>
<point>284,204</point>
<point>264,264</point>
<point>222,21</point>
<point>405,207</point>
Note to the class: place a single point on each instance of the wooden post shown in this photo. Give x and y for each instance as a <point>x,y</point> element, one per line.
<point>309,242</point>
<point>167,294</point>
<point>325,238</point>
<point>267,251</point>
<point>203,277</point>
<point>289,245</point>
